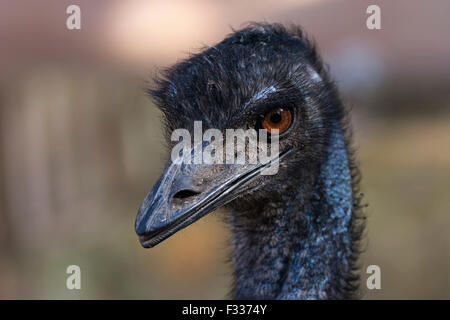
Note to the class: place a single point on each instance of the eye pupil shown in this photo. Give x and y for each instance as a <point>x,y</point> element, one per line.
<point>276,117</point>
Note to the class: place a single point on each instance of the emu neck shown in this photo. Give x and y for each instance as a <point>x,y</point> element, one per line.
<point>298,248</point>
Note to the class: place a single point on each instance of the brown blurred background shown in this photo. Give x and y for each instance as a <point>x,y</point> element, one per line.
<point>81,144</point>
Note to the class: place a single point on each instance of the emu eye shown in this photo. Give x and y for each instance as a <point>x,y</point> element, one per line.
<point>278,119</point>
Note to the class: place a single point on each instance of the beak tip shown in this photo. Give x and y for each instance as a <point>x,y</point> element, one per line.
<point>140,228</point>
<point>144,242</point>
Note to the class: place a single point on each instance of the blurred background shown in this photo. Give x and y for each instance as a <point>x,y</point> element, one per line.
<point>81,143</point>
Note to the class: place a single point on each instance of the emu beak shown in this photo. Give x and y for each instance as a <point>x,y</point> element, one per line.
<point>186,192</point>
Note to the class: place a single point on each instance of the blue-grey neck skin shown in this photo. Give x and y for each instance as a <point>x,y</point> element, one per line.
<point>304,252</point>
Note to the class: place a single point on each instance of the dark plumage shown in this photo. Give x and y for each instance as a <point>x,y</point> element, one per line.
<point>294,234</point>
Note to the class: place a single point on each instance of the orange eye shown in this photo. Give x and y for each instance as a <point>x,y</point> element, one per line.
<point>279,118</point>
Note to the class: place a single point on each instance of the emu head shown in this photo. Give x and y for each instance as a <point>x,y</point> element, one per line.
<point>263,77</point>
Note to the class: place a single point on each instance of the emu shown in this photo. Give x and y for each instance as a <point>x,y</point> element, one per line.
<point>295,234</point>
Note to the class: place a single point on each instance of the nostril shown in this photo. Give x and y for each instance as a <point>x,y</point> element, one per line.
<point>186,193</point>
